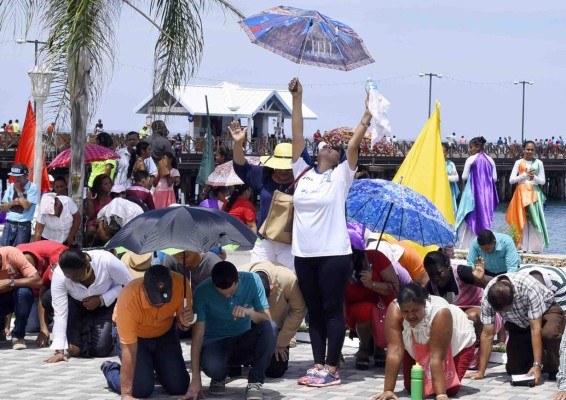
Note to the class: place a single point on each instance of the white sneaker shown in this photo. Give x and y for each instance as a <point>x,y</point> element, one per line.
<point>19,344</point>
<point>254,391</point>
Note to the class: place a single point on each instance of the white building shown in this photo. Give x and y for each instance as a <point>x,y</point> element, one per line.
<point>254,107</point>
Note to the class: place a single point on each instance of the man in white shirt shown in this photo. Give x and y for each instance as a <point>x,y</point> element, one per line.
<point>58,220</point>
<point>121,177</point>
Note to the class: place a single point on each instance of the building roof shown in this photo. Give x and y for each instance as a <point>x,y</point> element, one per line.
<point>226,99</point>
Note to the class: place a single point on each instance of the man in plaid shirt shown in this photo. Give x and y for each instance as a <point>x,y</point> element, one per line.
<point>534,322</point>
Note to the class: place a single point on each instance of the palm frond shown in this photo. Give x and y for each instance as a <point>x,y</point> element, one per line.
<point>82,27</point>
<point>19,12</point>
<point>178,50</point>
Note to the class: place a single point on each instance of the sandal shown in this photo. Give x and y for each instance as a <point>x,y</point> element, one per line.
<point>379,357</point>
<point>362,359</point>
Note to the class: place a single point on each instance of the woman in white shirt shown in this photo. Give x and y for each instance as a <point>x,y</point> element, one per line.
<point>321,244</point>
<point>418,318</point>
<point>84,289</point>
<point>526,209</point>
<point>58,219</point>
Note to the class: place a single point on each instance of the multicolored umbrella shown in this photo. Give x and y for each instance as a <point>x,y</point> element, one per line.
<point>224,174</point>
<point>341,136</point>
<point>307,37</point>
<point>395,209</point>
<point>93,152</point>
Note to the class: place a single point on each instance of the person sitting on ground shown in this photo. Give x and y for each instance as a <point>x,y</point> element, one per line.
<point>240,206</point>
<point>533,319</point>
<point>60,187</point>
<point>286,306</point>
<point>58,219</point>
<point>374,281</point>
<point>99,197</point>
<point>43,256</point>
<point>421,326</point>
<point>17,278</point>
<point>105,167</point>
<point>226,305</point>
<point>115,215</point>
<point>168,176</point>
<point>199,264</point>
<point>214,197</point>
<point>148,312</point>
<point>83,293</point>
<point>497,250</point>
<point>140,189</point>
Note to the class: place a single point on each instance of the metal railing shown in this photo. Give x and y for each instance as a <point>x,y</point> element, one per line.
<point>56,142</point>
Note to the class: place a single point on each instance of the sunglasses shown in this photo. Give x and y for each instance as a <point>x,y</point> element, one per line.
<point>338,149</point>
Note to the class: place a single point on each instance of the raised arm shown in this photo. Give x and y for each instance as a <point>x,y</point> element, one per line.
<point>296,90</point>
<point>356,141</point>
<point>239,135</point>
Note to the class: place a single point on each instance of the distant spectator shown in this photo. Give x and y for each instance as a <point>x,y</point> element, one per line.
<point>16,127</point>
<point>214,197</point>
<point>158,140</point>
<point>178,146</point>
<point>142,161</point>
<point>316,138</point>
<point>140,189</point>
<point>143,132</point>
<point>60,186</point>
<point>99,197</point>
<point>10,127</point>
<point>240,206</point>
<point>51,128</point>
<point>223,154</point>
<point>126,155</point>
<point>168,176</point>
<point>106,167</point>
<point>99,127</point>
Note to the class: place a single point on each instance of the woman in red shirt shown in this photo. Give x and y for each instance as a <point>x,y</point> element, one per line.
<point>241,207</point>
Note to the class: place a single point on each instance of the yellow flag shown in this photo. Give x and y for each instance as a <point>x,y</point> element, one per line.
<point>424,168</point>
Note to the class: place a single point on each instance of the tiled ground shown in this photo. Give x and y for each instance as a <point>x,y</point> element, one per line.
<point>24,375</point>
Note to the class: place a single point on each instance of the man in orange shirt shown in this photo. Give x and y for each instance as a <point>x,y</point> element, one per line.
<point>148,341</point>
<point>17,277</point>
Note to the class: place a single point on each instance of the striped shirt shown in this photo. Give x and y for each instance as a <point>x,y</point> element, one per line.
<point>554,279</point>
<point>457,291</point>
<point>531,300</point>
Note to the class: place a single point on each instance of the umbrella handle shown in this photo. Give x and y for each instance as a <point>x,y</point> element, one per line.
<point>311,22</point>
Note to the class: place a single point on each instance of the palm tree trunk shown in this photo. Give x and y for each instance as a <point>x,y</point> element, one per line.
<point>79,81</point>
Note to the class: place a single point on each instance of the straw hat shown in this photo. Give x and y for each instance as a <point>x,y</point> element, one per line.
<point>281,158</point>
<point>137,264</point>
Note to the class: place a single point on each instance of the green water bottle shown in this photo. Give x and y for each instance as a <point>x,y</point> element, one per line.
<point>417,382</point>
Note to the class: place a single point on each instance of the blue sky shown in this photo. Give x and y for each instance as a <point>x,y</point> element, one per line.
<point>480,47</point>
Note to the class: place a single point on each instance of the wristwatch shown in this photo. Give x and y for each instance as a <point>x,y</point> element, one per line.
<point>538,364</point>
<point>12,283</point>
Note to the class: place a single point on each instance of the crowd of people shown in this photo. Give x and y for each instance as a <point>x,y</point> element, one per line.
<point>404,306</point>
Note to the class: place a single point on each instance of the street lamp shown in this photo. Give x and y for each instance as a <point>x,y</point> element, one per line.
<point>523,113</point>
<point>430,75</point>
<point>41,78</point>
<point>36,53</point>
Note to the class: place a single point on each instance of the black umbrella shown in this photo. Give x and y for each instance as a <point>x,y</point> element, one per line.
<point>196,229</point>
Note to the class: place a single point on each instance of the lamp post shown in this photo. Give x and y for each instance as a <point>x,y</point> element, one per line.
<point>430,75</point>
<point>35,55</point>
<point>41,78</point>
<point>523,112</point>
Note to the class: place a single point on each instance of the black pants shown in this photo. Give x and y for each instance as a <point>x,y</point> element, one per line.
<point>89,330</point>
<point>520,349</point>
<point>277,368</point>
<point>323,283</point>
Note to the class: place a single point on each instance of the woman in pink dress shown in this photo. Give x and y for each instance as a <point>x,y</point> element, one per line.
<point>167,176</point>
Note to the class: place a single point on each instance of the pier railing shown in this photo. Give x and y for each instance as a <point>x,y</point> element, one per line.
<point>57,142</point>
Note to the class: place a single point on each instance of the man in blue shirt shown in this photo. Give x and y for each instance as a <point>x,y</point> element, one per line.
<point>19,202</point>
<point>496,251</point>
<point>233,327</point>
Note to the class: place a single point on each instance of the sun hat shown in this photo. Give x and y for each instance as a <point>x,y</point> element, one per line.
<point>18,170</point>
<point>158,284</point>
<point>137,264</point>
<point>281,158</point>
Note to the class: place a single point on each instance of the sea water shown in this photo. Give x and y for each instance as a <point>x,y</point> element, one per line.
<point>555,214</point>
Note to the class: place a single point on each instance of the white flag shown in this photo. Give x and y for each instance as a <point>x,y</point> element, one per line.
<point>378,107</point>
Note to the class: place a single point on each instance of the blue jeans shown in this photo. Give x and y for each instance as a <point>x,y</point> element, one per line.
<point>161,356</point>
<point>255,346</point>
<point>14,235</point>
<point>19,301</point>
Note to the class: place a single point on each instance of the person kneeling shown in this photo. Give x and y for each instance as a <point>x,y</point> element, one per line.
<point>428,330</point>
<point>233,327</point>
<point>148,343</point>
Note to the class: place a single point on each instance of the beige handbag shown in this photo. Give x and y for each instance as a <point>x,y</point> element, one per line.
<point>278,225</point>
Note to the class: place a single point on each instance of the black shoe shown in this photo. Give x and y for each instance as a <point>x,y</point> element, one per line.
<point>217,387</point>
<point>105,365</point>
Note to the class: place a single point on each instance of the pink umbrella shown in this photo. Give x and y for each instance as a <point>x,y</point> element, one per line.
<point>224,174</point>
<point>93,152</point>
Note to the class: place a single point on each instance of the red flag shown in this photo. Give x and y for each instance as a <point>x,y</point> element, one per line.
<point>26,149</point>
